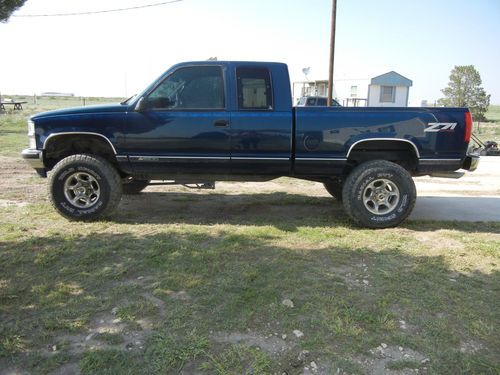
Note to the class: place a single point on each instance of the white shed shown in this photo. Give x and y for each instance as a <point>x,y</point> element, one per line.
<point>389,90</point>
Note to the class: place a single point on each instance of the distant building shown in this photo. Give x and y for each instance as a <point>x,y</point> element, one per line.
<point>387,90</point>
<point>352,92</point>
<point>311,88</point>
<point>428,103</point>
<point>50,93</point>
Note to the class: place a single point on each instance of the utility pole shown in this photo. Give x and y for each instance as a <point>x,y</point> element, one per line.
<point>332,52</point>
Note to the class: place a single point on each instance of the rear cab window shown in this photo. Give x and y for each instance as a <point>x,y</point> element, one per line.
<point>254,89</point>
<point>311,101</point>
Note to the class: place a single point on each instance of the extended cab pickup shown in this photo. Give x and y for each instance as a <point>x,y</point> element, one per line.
<point>212,120</point>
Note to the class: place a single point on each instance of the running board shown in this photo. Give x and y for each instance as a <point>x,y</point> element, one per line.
<point>204,185</point>
<point>188,184</point>
<point>447,174</point>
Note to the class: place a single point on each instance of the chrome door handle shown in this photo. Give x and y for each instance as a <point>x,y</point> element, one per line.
<point>221,123</point>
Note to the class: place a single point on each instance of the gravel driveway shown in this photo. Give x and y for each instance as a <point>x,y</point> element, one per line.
<point>474,197</point>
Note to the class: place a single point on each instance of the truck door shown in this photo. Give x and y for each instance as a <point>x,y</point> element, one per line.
<point>260,125</point>
<point>184,126</point>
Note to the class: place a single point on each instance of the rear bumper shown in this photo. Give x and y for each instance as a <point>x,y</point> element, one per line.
<point>35,159</point>
<point>448,168</point>
<point>471,162</point>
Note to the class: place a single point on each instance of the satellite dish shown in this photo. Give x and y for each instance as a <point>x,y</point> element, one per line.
<point>306,71</point>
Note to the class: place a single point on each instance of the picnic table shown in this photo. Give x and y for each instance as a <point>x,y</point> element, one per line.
<point>18,106</point>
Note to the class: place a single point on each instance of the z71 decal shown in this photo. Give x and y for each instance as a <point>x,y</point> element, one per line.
<point>434,127</point>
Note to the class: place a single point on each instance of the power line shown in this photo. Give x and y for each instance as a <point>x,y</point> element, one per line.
<point>98,11</point>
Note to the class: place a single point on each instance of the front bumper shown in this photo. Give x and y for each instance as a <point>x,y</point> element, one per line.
<point>35,159</point>
<point>471,162</point>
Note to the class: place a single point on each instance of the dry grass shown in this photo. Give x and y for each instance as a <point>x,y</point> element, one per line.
<point>180,281</point>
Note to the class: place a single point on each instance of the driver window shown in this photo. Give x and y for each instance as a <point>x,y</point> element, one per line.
<point>197,87</point>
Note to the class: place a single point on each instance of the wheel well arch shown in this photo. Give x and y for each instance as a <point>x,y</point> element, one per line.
<point>60,145</point>
<point>400,151</point>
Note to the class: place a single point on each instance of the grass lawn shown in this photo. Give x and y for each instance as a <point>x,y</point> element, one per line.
<point>13,124</point>
<point>493,113</point>
<point>489,131</point>
<point>188,282</point>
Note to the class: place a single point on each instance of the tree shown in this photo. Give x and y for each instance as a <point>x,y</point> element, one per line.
<point>464,90</point>
<point>7,7</point>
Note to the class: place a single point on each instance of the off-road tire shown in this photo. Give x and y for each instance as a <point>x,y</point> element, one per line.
<point>134,186</point>
<point>358,183</point>
<point>334,188</point>
<point>96,169</point>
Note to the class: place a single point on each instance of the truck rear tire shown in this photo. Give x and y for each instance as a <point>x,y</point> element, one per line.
<point>134,186</point>
<point>379,194</point>
<point>84,187</point>
<point>334,188</point>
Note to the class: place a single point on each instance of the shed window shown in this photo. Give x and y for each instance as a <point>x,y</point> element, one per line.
<point>354,91</point>
<point>387,94</point>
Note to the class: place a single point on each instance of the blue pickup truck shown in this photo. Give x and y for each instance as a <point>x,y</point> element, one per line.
<point>202,122</point>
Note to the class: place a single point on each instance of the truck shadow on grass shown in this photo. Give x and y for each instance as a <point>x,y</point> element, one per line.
<point>278,209</point>
<point>220,294</point>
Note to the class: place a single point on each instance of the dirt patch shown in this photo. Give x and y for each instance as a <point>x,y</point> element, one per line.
<point>9,203</point>
<point>67,369</point>
<point>271,344</point>
<point>381,358</point>
<point>159,304</point>
<point>437,241</point>
<point>11,370</point>
<point>284,349</point>
<point>105,323</point>
<point>357,276</point>
<point>470,346</point>
<point>20,183</point>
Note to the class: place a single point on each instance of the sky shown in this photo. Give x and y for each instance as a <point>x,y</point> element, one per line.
<point>118,54</point>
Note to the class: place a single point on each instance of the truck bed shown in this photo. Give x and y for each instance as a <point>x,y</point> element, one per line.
<point>328,136</point>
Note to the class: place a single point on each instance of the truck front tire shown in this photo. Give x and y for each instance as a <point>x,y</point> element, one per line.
<point>379,194</point>
<point>84,187</point>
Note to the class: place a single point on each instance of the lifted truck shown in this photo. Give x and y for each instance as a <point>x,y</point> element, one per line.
<point>209,121</point>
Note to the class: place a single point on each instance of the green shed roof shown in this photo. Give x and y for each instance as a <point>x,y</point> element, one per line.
<point>391,79</point>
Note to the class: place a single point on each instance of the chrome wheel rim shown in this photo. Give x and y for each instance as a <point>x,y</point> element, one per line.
<point>82,190</point>
<point>381,197</point>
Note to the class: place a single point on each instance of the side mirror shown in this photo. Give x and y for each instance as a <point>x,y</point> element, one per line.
<point>141,105</point>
